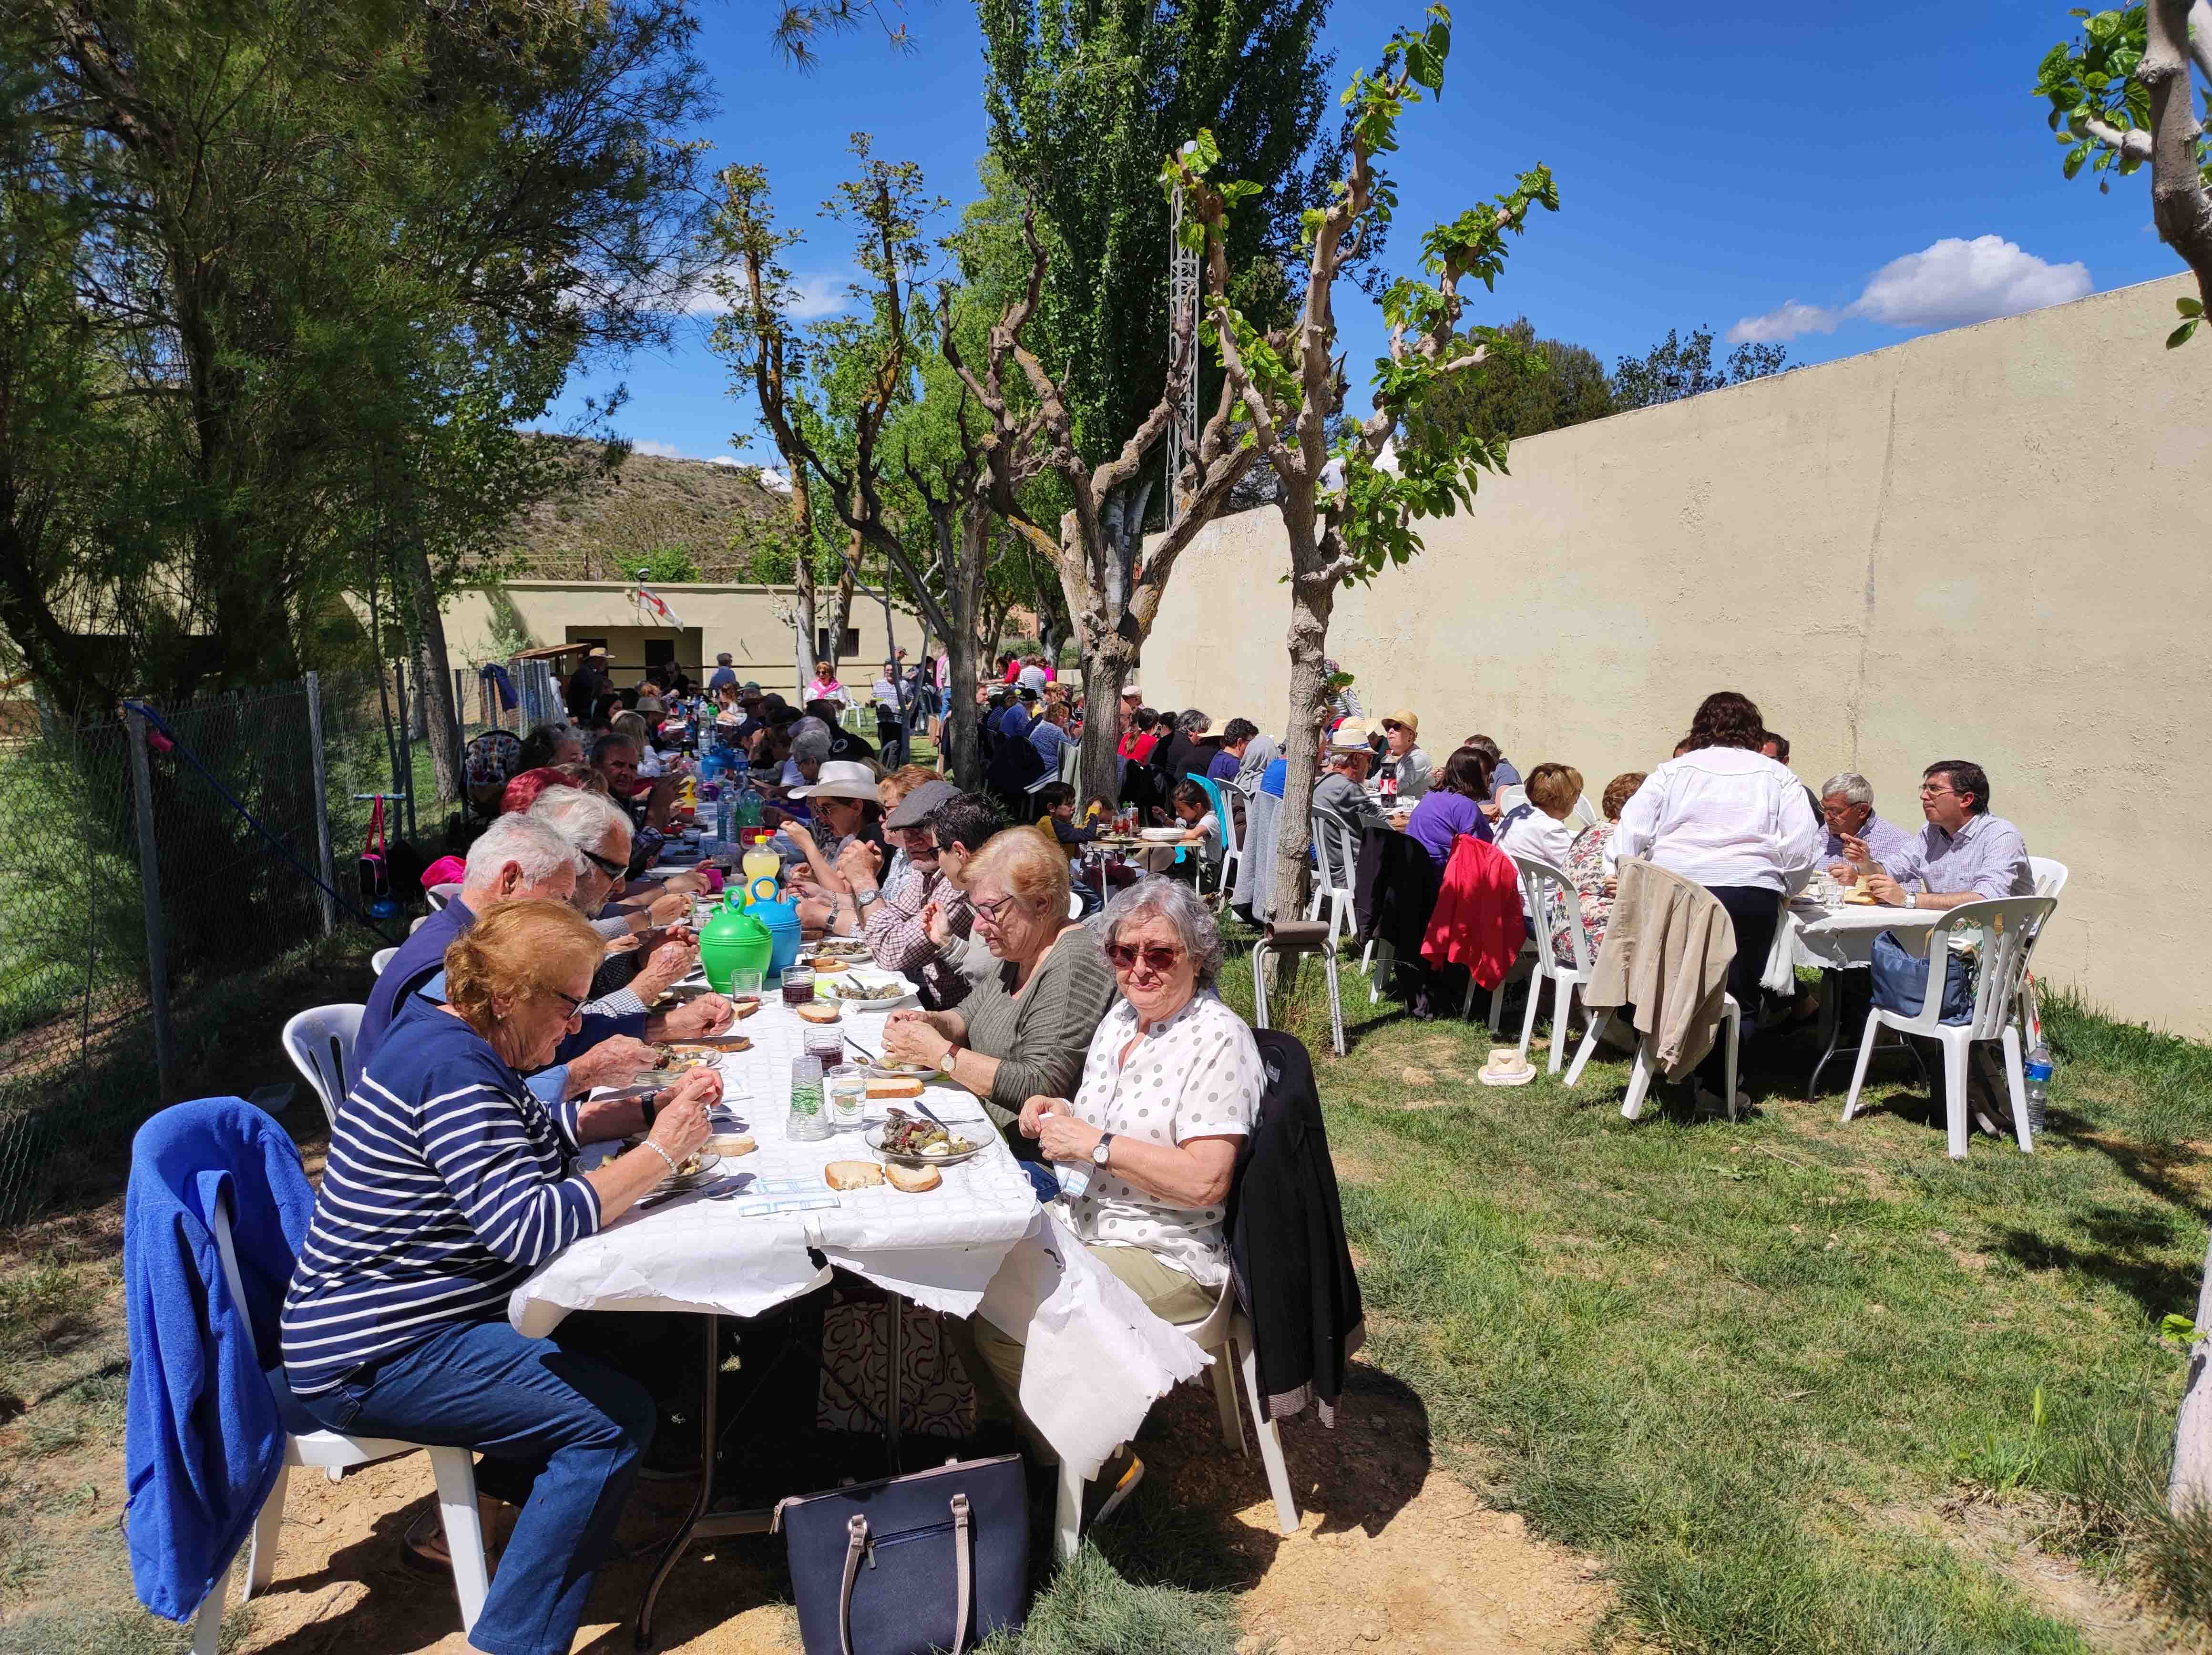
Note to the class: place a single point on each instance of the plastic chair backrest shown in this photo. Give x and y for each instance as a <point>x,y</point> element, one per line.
<point>219,1224</point>
<point>2050,874</point>
<point>1220,809</point>
<point>319,1042</point>
<point>1550,893</point>
<point>2008,927</point>
<point>380,959</point>
<point>1584,811</point>
<point>1339,858</point>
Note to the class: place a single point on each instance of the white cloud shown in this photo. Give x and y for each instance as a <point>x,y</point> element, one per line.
<point>1947,284</point>
<point>660,450</point>
<point>724,459</point>
<point>812,297</point>
<point>772,478</point>
<point>1791,321</point>
<point>1955,283</point>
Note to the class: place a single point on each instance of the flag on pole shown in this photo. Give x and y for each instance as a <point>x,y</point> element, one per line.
<point>656,613</point>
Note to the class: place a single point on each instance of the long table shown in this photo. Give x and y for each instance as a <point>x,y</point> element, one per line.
<point>979,1243</point>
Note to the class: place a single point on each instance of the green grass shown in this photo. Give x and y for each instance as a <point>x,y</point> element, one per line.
<point>1746,1364</point>
<point>1090,1609</point>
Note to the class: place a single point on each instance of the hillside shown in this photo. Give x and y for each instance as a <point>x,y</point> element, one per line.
<point>716,514</point>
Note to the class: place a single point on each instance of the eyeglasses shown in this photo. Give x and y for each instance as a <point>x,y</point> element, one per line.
<point>575,1002</point>
<point>611,869</point>
<point>1156,958</point>
<point>993,912</point>
<point>1928,792</point>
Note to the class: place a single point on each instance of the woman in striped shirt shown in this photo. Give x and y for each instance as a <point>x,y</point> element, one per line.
<point>448,1182</point>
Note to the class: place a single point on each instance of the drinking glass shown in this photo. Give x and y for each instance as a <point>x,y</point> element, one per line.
<point>745,982</point>
<point>797,982</point>
<point>845,1096</point>
<point>806,1124</point>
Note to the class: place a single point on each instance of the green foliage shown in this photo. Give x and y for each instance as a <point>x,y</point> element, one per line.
<point>1084,99</point>
<point>280,283</point>
<point>1676,367</point>
<point>2092,78</point>
<point>1564,385</point>
<point>670,563</point>
<point>2192,312</point>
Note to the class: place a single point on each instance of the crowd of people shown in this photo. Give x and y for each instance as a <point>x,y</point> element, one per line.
<point>1099,1043</point>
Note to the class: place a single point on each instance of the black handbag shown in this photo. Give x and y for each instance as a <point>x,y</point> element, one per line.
<point>937,1561</point>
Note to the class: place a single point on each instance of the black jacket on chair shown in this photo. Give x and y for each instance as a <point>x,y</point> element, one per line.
<point>1286,1242</point>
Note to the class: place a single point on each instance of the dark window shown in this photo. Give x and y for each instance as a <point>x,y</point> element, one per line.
<point>659,653</point>
<point>846,651</point>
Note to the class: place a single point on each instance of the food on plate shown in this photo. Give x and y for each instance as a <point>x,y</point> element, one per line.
<point>692,1163</point>
<point>1860,900</point>
<point>852,1174</point>
<point>840,947</point>
<point>709,1049</point>
<point>729,1145</point>
<point>854,988</point>
<point>894,1086</point>
<point>819,1011</point>
<point>905,1136</point>
<point>827,962</point>
<point>914,1179</point>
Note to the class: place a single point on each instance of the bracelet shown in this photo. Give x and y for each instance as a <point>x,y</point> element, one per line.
<point>657,1149</point>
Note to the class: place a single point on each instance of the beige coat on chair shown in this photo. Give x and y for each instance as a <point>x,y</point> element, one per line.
<point>1666,952</point>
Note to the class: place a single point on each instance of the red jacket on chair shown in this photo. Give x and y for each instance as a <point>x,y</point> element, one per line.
<point>1477,921</point>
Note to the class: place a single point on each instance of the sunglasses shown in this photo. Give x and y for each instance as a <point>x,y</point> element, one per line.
<point>611,869</point>
<point>1156,958</point>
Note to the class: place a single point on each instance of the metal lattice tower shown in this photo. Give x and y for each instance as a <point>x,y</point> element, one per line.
<point>1182,303</point>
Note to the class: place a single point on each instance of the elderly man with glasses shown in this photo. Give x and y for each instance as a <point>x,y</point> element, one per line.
<point>1963,855</point>
<point>1847,811</point>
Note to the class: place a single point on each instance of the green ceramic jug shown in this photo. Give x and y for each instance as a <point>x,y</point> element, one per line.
<point>733,941</point>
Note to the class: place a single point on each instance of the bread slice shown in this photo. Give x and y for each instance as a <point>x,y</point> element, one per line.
<point>894,1086</point>
<point>914,1179</point>
<point>852,1174</point>
<point>728,1145</point>
<point>820,1011</point>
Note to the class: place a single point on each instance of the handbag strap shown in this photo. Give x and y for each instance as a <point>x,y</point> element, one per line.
<point>856,1544</point>
<point>964,1580</point>
<point>375,845</point>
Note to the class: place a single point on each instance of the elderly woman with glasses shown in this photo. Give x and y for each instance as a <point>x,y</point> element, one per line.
<point>1170,1088</point>
<point>1023,1028</point>
<point>448,1182</point>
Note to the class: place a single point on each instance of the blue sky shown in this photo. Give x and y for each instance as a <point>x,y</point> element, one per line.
<point>1842,177</point>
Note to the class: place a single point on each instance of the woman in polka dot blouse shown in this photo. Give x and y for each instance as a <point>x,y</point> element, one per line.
<point>1170,1088</point>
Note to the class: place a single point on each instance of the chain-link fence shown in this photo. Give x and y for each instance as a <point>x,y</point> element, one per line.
<point>152,866</point>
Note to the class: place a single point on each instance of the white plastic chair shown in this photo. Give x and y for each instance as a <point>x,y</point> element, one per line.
<point>439,895</point>
<point>1640,1072</point>
<point>1584,811</point>
<point>1548,889</point>
<point>1226,1334</point>
<point>380,959</point>
<point>319,1042</point>
<point>2050,874</point>
<point>1267,946</point>
<point>2009,926</point>
<point>329,1451</point>
<point>1337,850</point>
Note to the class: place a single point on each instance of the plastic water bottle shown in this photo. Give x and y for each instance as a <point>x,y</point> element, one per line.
<point>1074,1178</point>
<point>749,805</point>
<point>2038,1071</point>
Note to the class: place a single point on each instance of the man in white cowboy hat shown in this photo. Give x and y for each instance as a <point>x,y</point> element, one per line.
<point>1342,792</point>
<point>847,812</point>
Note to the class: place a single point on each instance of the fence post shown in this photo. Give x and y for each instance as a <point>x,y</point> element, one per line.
<point>322,804</point>
<point>404,783</point>
<point>150,884</point>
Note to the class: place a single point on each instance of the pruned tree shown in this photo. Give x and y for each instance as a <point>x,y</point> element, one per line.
<point>1350,513</point>
<point>887,203</point>
<point>1676,367</point>
<point>1027,433</point>
<point>2123,93</point>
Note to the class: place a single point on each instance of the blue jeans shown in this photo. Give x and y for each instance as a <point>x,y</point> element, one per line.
<point>566,1431</point>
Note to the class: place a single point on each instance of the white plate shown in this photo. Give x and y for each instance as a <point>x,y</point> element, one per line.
<point>908,995</point>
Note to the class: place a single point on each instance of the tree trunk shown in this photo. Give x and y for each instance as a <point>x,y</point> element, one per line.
<point>2191,1484</point>
<point>802,582</point>
<point>1106,662</point>
<point>838,609</point>
<point>1313,599</point>
<point>435,680</point>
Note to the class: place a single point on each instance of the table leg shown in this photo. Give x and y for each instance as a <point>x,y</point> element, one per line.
<point>1831,1024</point>
<point>708,1435</point>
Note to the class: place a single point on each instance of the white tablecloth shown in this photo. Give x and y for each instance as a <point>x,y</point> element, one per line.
<point>979,1241</point>
<point>1809,935</point>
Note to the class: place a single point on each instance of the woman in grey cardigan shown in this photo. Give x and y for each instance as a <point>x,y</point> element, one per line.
<point>1043,988</point>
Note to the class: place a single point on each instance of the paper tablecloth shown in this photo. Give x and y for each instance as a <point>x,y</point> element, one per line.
<point>1810,936</point>
<point>1099,1357</point>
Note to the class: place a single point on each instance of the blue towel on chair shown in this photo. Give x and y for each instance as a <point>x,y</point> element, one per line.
<point>202,1439</point>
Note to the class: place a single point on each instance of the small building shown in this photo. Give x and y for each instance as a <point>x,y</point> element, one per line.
<point>748,622</point>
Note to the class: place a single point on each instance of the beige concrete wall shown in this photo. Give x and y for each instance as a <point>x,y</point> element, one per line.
<point>1990,543</point>
<point>743,619</point>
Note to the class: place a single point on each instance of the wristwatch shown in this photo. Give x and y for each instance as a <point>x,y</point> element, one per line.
<point>951,1056</point>
<point>861,899</point>
<point>1912,898</point>
<point>1100,1151</point>
<point>649,1106</point>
